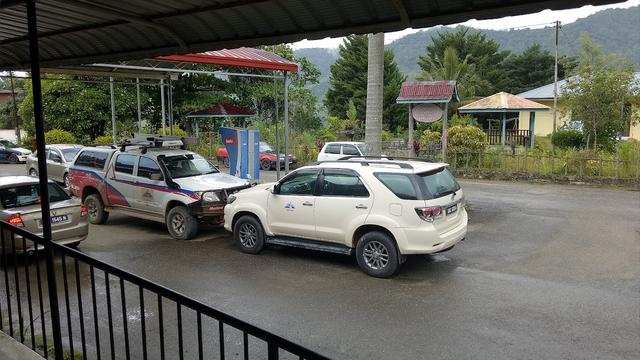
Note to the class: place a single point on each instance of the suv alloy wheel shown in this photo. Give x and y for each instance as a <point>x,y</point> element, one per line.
<point>377,255</point>
<point>249,235</point>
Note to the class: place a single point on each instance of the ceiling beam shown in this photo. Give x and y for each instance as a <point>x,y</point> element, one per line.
<point>402,11</point>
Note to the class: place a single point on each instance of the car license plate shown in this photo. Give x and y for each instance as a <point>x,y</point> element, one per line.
<point>451,209</point>
<point>59,219</point>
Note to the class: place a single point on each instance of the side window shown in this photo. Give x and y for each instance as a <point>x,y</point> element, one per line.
<point>146,167</point>
<point>399,184</point>
<point>124,163</point>
<point>340,183</point>
<point>92,159</point>
<point>54,155</point>
<point>302,183</point>
<point>349,150</point>
<point>332,149</point>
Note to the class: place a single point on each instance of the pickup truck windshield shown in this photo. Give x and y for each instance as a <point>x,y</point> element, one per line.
<point>187,165</point>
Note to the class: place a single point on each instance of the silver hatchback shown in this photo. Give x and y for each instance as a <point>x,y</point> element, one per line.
<point>20,206</point>
<point>59,158</point>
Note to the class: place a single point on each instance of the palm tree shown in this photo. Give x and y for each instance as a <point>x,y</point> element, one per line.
<point>449,67</point>
<point>375,77</point>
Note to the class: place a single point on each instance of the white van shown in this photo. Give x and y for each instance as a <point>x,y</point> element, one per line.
<point>337,150</point>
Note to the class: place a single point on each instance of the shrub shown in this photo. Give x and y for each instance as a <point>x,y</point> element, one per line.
<point>176,131</point>
<point>56,136</point>
<point>429,137</point>
<point>466,139</point>
<point>569,138</point>
<point>103,140</point>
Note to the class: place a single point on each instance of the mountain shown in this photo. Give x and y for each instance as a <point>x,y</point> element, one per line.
<point>618,30</point>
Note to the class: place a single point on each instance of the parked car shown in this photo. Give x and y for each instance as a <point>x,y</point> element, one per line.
<point>11,153</point>
<point>268,159</point>
<point>20,206</point>
<point>380,210</point>
<point>59,159</point>
<point>153,178</point>
<point>340,149</point>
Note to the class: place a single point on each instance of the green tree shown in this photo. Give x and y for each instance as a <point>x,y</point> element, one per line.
<point>449,67</point>
<point>303,110</point>
<point>476,49</point>
<point>533,68</point>
<point>348,80</point>
<point>598,94</point>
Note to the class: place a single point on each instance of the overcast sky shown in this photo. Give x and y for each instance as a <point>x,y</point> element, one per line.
<point>535,20</point>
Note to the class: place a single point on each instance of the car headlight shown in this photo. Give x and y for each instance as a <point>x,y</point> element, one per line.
<point>210,197</point>
<point>231,199</point>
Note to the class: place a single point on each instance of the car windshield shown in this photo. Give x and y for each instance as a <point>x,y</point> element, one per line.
<point>8,144</point>
<point>188,165</point>
<point>266,148</point>
<point>439,183</point>
<point>69,154</point>
<point>29,194</point>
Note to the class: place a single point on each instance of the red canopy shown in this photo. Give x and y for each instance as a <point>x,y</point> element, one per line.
<point>222,110</point>
<point>241,57</point>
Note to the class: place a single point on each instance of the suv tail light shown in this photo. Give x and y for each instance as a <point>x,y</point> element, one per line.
<point>429,213</point>
<point>83,211</point>
<point>15,220</point>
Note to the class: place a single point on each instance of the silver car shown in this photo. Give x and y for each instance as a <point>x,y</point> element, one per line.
<point>59,158</point>
<point>20,206</point>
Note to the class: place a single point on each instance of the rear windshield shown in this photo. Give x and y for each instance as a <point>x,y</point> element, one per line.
<point>92,159</point>
<point>26,195</point>
<point>438,183</point>
<point>423,186</point>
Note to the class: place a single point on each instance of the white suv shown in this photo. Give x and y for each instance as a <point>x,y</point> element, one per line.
<point>382,209</point>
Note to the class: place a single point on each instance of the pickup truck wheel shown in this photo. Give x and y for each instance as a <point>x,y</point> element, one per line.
<point>249,235</point>
<point>377,254</point>
<point>225,162</point>
<point>181,224</point>
<point>95,209</point>
<point>13,159</point>
<point>33,172</point>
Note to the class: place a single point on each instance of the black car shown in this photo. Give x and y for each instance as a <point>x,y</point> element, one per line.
<point>11,153</point>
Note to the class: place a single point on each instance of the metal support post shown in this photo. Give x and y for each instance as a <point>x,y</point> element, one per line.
<point>113,111</point>
<point>555,82</point>
<point>532,127</point>
<point>15,108</point>
<point>170,88</point>
<point>410,141</point>
<point>36,87</point>
<point>503,132</point>
<point>445,131</point>
<point>139,112</point>
<point>286,123</point>
<point>275,102</point>
<point>162,107</point>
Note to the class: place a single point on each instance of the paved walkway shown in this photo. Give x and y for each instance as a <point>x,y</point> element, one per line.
<point>10,349</point>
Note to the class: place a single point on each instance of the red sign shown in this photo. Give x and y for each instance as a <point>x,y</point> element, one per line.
<point>229,140</point>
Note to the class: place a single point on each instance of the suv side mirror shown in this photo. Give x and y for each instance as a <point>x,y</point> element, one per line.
<point>275,189</point>
<point>156,176</point>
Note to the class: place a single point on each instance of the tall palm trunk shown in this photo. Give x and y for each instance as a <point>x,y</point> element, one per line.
<point>375,88</point>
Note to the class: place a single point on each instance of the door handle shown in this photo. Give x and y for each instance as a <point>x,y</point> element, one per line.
<point>360,206</point>
<point>306,203</point>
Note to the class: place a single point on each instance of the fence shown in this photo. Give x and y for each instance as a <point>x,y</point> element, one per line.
<point>107,313</point>
<point>548,165</point>
<point>512,137</point>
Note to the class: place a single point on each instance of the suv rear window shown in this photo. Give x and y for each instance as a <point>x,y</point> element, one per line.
<point>438,183</point>
<point>92,159</point>
<point>29,194</point>
<point>332,149</point>
<point>399,184</point>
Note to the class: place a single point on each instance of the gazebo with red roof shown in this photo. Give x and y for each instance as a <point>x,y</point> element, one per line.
<point>440,92</point>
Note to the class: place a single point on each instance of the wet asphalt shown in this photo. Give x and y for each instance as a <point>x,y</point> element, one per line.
<point>547,272</point>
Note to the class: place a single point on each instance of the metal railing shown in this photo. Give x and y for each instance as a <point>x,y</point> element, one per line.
<point>512,137</point>
<point>107,313</point>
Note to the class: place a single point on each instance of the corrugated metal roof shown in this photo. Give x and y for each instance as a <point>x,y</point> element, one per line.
<point>243,57</point>
<point>222,110</point>
<point>75,32</point>
<point>502,102</point>
<point>420,91</point>
<point>545,92</point>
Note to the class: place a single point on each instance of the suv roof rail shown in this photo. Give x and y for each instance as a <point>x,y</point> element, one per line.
<point>403,158</point>
<point>365,162</point>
